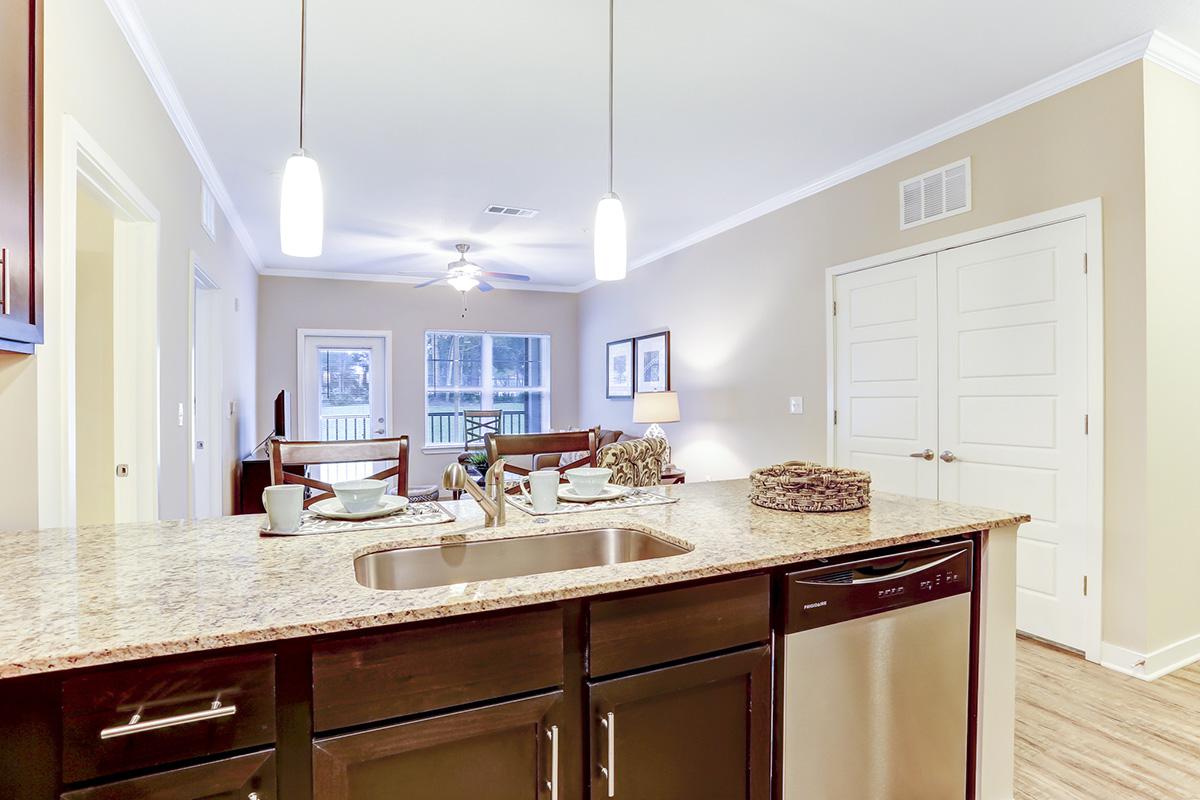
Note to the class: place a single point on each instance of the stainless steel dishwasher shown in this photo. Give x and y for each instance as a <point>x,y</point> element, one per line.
<point>876,677</point>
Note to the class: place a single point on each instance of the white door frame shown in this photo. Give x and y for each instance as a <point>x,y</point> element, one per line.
<point>135,340</point>
<point>302,403</point>
<point>1091,212</point>
<point>210,375</point>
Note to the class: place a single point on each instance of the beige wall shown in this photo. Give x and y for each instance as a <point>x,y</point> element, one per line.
<point>1173,353</point>
<point>92,75</point>
<point>746,308</point>
<point>95,457</point>
<point>287,304</point>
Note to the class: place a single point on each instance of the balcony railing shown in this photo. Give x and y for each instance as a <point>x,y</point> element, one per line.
<point>345,427</point>
<point>446,427</point>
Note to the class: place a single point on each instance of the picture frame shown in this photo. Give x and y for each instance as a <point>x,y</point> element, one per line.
<point>652,357</point>
<point>619,369</point>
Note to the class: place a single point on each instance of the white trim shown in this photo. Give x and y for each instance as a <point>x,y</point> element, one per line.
<point>1154,665</point>
<point>370,277</point>
<point>212,374</point>
<point>135,337</point>
<point>1092,213</point>
<point>1152,45</point>
<point>130,21</point>
<point>303,333</point>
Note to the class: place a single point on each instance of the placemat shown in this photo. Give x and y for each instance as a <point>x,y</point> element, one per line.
<point>635,498</point>
<point>430,513</point>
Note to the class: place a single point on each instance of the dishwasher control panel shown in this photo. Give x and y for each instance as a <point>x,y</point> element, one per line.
<point>833,593</point>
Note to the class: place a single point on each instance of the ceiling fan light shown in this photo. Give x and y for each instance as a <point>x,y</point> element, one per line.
<point>462,283</point>
<point>302,207</point>
<point>609,243</point>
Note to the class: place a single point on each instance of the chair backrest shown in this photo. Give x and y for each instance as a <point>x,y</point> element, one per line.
<point>532,444</point>
<point>477,425</point>
<point>636,462</point>
<point>291,454</point>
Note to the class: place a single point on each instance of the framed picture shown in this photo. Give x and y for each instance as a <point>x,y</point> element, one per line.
<point>619,372</point>
<point>652,354</point>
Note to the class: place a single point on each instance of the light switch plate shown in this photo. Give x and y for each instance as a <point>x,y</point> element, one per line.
<point>796,405</point>
<point>181,415</point>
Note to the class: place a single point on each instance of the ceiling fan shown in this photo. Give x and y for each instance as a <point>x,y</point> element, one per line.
<point>464,275</point>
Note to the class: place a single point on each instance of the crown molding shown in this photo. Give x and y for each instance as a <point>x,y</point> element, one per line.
<point>1173,55</point>
<point>130,21</point>
<point>370,277</point>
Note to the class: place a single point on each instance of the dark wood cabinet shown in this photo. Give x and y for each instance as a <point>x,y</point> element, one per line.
<point>503,751</point>
<point>695,731</point>
<point>249,777</point>
<point>21,323</point>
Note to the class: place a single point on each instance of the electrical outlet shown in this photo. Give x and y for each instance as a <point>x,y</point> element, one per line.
<point>796,405</point>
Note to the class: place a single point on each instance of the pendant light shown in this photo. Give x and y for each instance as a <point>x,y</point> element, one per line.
<point>609,231</point>
<point>302,204</point>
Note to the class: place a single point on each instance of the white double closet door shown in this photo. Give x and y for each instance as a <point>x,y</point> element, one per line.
<point>962,376</point>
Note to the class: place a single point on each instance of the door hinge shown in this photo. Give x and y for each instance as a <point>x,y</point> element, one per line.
<point>835,308</point>
<point>1085,585</point>
<point>835,416</point>
<point>1085,264</point>
<point>1085,424</point>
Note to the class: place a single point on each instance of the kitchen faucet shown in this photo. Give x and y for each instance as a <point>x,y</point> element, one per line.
<point>491,498</point>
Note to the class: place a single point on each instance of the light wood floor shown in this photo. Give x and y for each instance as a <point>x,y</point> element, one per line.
<point>1087,733</point>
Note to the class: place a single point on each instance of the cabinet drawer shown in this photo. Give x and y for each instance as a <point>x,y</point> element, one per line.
<point>144,715</point>
<point>231,779</point>
<point>631,632</point>
<point>408,671</point>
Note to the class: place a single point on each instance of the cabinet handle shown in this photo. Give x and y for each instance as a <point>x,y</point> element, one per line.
<point>4,281</point>
<point>926,454</point>
<point>609,772</point>
<point>552,784</point>
<point>137,725</point>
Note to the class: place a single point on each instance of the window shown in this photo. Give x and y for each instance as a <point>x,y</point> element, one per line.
<point>474,370</point>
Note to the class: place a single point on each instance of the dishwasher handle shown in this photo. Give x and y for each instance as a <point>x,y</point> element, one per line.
<point>870,574</point>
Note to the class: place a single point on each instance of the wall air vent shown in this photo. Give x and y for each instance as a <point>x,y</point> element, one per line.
<point>937,194</point>
<point>511,211</point>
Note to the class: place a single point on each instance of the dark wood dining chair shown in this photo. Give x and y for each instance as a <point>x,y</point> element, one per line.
<point>292,454</point>
<point>477,425</point>
<point>535,444</point>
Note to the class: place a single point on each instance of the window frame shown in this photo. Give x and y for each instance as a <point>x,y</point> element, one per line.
<point>488,389</point>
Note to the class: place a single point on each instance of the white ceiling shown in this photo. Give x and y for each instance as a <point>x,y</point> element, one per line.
<point>421,114</point>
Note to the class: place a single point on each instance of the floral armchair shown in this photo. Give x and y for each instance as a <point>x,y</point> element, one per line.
<point>636,462</point>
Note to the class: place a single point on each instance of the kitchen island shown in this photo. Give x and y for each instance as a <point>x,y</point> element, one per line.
<point>94,615</point>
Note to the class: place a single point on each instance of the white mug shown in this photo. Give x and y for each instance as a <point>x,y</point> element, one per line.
<point>543,486</point>
<point>283,504</point>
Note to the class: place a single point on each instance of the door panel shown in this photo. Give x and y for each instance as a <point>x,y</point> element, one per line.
<point>505,751</point>
<point>698,730</point>
<point>886,344</point>
<point>230,779</point>
<point>1013,355</point>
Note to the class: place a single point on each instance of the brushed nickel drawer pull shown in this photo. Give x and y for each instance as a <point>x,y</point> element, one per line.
<point>4,281</point>
<point>137,725</point>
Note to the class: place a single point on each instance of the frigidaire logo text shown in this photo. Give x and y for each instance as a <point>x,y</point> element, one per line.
<point>820,604</point>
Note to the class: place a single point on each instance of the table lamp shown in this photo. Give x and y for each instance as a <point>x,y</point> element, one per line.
<point>655,408</point>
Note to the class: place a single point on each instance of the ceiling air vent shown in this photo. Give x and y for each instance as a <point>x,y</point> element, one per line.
<point>937,194</point>
<point>511,211</point>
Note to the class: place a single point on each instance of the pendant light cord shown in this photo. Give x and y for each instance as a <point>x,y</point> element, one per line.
<point>610,96</point>
<point>303,62</point>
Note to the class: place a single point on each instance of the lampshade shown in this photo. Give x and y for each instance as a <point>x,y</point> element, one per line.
<point>302,207</point>
<point>656,407</point>
<point>610,239</point>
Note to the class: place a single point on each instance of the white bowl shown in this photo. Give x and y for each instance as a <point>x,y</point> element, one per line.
<point>588,481</point>
<point>361,495</point>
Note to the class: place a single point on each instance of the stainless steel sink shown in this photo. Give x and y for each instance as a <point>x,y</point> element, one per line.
<point>441,565</point>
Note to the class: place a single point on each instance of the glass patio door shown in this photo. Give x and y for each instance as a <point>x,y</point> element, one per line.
<point>344,387</point>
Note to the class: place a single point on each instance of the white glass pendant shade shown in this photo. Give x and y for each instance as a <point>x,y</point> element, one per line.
<point>462,283</point>
<point>302,207</point>
<point>609,243</point>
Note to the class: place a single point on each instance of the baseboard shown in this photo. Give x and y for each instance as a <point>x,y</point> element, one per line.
<point>1151,666</point>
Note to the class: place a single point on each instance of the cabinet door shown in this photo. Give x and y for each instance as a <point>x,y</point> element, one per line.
<point>249,777</point>
<point>696,731</point>
<point>504,751</point>
<point>20,290</point>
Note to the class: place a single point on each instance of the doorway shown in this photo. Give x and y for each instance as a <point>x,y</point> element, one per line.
<point>965,374</point>
<point>345,384</point>
<point>207,490</point>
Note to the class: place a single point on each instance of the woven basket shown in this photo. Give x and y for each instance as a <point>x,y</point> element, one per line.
<point>804,486</point>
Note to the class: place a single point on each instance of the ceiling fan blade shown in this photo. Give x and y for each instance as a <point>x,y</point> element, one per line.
<point>484,286</point>
<point>506,276</point>
<point>430,282</point>
<point>421,274</point>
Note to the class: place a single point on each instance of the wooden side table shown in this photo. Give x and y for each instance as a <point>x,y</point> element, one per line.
<point>673,476</point>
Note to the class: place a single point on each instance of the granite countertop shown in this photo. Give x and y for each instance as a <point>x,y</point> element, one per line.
<point>102,594</point>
